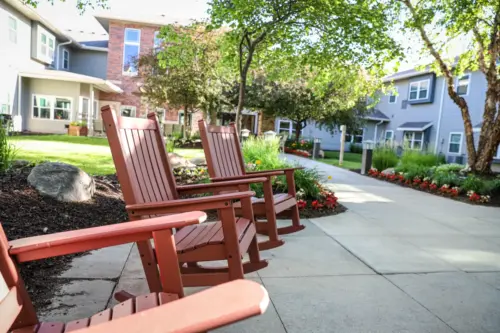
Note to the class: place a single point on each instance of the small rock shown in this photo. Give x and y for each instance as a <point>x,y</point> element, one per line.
<point>389,171</point>
<point>179,161</point>
<point>17,164</point>
<point>61,181</point>
<point>198,161</point>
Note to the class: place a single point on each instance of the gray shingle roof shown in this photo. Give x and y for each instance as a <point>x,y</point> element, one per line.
<point>415,126</point>
<point>377,115</point>
<point>479,124</point>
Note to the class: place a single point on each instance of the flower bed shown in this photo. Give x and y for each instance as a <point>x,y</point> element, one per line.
<point>300,148</point>
<point>444,182</point>
<point>298,152</point>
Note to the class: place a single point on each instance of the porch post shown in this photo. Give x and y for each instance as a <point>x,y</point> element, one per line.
<point>90,116</point>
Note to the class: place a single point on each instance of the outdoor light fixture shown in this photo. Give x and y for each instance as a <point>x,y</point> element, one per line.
<point>245,133</point>
<point>368,145</point>
<point>269,135</point>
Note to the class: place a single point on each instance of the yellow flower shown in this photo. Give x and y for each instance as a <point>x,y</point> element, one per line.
<point>329,177</point>
<point>258,162</point>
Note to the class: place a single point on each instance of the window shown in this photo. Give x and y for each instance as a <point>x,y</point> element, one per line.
<point>83,114</point>
<point>157,41</point>
<point>4,108</point>
<point>131,48</point>
<point>95,109</point>
<point>12,29</point>
<point>287,126</point>
<point>455,143</point>
<point>354,137</point>
<point>419,90</point>
<point>181,118</point>
<point>47,44</point>
<point>62,109</point>
<point>393,96</point>
<point>65,59</point>
<point>463,84</point>
<point>498,153</point>
<point>127,111</point>
<point>389,136</point>
<point>42,107</point>
<point>414,140</point>
<point>160,113</point>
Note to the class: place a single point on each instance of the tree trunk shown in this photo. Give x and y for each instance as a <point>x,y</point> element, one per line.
<point>298,128</point>
<point>212,112</point>
<point>186,119</point>
<point>241,100</point>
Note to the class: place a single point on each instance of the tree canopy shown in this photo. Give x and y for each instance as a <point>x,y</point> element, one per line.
<point>478,21</point>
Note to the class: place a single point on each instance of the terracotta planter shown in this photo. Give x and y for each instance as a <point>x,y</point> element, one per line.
<point>78,130</point>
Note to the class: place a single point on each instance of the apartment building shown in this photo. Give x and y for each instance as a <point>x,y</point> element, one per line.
<point>46,78</point>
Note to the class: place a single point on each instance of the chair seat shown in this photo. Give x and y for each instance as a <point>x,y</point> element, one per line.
<point>282,202</point>
<point>210,233</point>
<point>280,197</point>
<point>120,310</point>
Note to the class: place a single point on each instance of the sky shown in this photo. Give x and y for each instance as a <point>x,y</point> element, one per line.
<point>84,27</point>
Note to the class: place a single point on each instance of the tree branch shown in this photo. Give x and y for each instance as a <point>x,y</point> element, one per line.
<point>480,44</point>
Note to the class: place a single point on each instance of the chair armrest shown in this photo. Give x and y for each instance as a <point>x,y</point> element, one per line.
<point>207,310</point>
<point>186,205</point>
<point>269,173</point>
<point>258,173</point>
<point>45,246</point>
<point>219,186</point>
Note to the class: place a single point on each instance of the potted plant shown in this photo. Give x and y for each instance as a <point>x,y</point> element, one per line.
<point>78,128</point>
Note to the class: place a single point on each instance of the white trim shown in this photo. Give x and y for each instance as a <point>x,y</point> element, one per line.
<point>440,117</point>
<point>498,153</point>
<point>412,140</point>
<point>46,57</point>
<point>355,135</point>
<point>65,52</point>
<point>10,29</point>
<point>392,135</point>
<point>391,94</point>
<point>414,129</point>
<point>460,143</point>
<point>80,109</point>
<point>155,38</point>
<point>134,110</point>
<point>125,43</point>
<point>419,83</point>
<point>469,80</point>
<point>52,99</point>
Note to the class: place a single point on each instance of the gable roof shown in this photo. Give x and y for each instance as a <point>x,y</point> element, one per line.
<point>157,20</point>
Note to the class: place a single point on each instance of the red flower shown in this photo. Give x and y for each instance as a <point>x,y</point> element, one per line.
<point>316,204</point>
<point>407,182</point>
<point>331,202</point>
<point>301,204</point>
<point>433,187</point>
<point>474,197</point>
<point>453,192</point>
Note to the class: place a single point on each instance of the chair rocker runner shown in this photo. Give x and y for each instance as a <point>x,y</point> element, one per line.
<point>149,189</point>
<point>165,311</point>
<point>225,163</point>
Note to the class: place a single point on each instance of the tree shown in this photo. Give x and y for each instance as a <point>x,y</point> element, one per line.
<point>479,20</point>
<point>316,31</point>
<point>186,72</point>
<point>80,4</point>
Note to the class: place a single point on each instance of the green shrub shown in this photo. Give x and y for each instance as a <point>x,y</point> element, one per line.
<point>473,183</point>
<point>263,152</point>
<point>453,167</point>
<point>384,158</point>
<point>170,145</point>
<point>421,158</point>
<point>306,182</point>
<point>442,178</point>
<point>356,148</point>
<point>7,150</point>
<point>413,171</point>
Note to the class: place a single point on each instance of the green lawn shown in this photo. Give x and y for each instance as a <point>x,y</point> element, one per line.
<point>88,153</point>
<point>351,160</point>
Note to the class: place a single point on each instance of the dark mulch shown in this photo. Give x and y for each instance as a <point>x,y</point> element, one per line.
<point>494,200</point>
<point>25,213</point>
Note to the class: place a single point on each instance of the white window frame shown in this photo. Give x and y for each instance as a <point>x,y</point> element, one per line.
<point>12,19</point>
<point>64,53</point>
<point>393,93</point>
<point>460,143</point>
<point>128,106</point>
<point>419,84</point>
<point>155,39</point>
<point>52,100</point>
<point>80,109</point>
<point>392,136</point>
<point>498,153</point>
<point>95,110</point>
<point>356,135</point>
<point>412,141</point>
<point>291,128</point>
<point>125,43</point>
<point>46,57</point>
<point>468,83</point>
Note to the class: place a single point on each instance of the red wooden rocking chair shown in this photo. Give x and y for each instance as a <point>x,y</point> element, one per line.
<point>156,312</point>
<point>149,189</point>
<point>225,163</point>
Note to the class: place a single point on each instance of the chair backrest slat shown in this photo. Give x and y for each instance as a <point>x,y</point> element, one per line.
<point>222,150</point>
<point>140,158</point>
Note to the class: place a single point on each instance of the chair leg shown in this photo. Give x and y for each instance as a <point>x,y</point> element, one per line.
<point>233,255</point>
<point>272,224</point>
<point>256,262</point>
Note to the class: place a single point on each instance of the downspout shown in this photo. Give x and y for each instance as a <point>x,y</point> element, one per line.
<point>58,51</point>
<point>376,128</point>
<point>439,117</point>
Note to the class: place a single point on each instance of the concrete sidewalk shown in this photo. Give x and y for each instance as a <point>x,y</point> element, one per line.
<point>398,260</point>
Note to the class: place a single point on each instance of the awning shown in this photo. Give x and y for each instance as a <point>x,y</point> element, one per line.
<point>415,126</point>
<point>49,74</point>
<point>477,127</point>
<point>377,115</point>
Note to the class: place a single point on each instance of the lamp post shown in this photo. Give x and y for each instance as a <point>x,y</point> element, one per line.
<point>366,159</point>
<point>245,133</point>
<point>316,148</point>
<point>269,135</point>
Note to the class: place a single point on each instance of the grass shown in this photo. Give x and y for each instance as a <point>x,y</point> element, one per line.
<point>88,153</point>
<point>351,160</point>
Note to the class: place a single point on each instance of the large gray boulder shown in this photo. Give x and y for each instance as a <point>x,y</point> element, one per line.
<point>61,181</point>
<point>198,161</point>
<point>177,161</point>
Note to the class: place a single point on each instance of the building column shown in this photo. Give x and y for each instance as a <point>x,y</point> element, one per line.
<point>90,116</point>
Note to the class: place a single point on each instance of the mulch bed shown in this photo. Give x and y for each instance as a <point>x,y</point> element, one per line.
<point>494,200</point>
<point>25,213</point>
